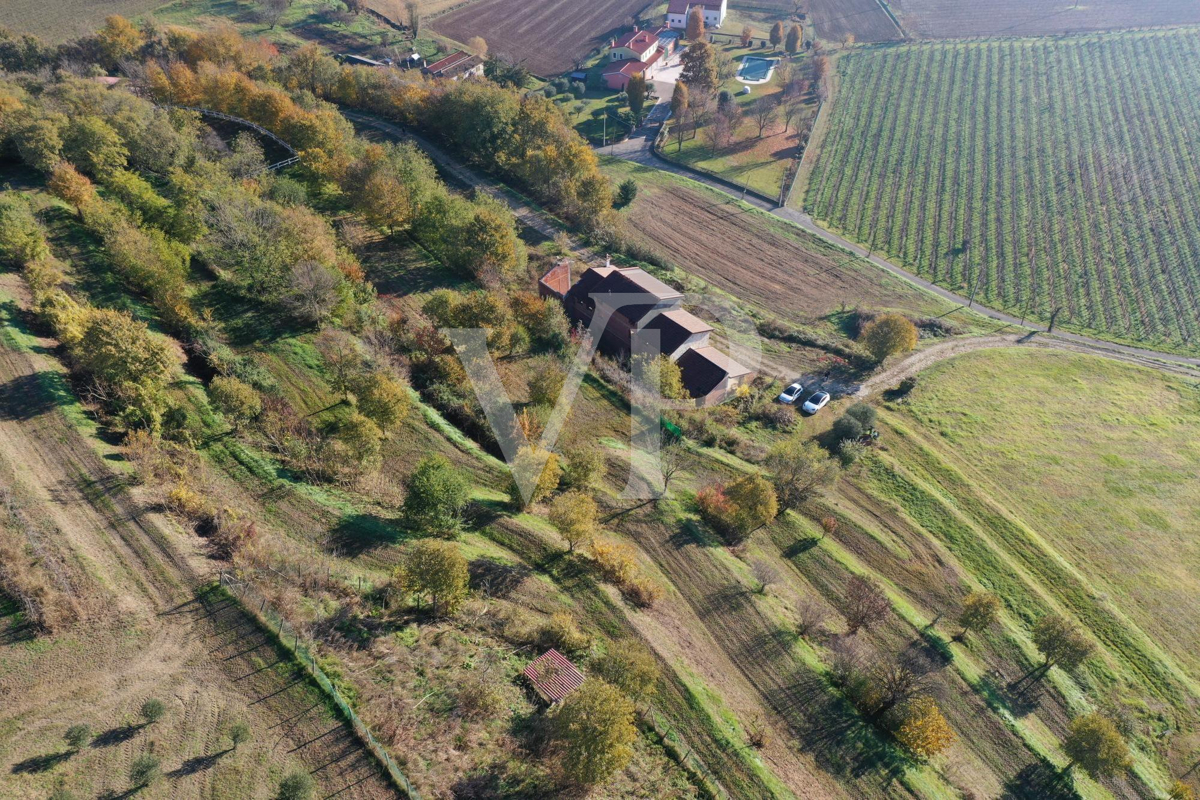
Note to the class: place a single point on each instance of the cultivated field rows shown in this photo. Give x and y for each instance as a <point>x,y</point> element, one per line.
<point>1004,167</point>
<point>944,19</point>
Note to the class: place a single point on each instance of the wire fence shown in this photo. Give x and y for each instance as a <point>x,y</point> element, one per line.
<point>256,604</point>
<point>684,753</point>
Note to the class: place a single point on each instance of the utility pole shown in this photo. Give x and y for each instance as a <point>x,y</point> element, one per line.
<point>971,300</point>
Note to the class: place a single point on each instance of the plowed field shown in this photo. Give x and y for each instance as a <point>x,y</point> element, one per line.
<point>944,19</point>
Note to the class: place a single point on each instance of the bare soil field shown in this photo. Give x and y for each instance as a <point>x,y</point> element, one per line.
<point>943,19</point>
<point>758,260</point>
<point>144,631</point>
<point>546,35</point>
<point>864,19</point>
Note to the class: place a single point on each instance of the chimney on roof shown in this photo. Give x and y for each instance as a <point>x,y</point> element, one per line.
<point>608,261</point>
<point>635,28</point>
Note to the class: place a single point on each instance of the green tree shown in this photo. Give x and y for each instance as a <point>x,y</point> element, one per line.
<point>435,496</point>
<point>122,355</point>
<point>754,503</point>
<point>792,45</point>
<point>1180,791</point>
<point>979,612</point>
<point>631,667</point>
<point>1060,642</point>
<point>575,516</point>
<point>595,726</point>
<point>361,438</point>
<point>584,467</point>
<point>799,470</point>
<point>382,398</point>
<point>297,785</point>
<point>669,376</point>
<point>699,68</point>
<point>434,569</point>
<point>888,334</point>
<point>92,144</point>
<point>144,770</point>
<point>152,710</point>
<point>21,238</point>
<point>38,139</point>
<point>235,399</point>
<point>776,35</point>
<point>77,736</point>
<point>546,382</point>
<point>635,91</point>
<point>627,192</point>
<point>1094,743</point>
<point>239,733</point>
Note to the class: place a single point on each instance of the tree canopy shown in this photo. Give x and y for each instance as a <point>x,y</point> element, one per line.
<point>595,728</point>
<point>435,569</point>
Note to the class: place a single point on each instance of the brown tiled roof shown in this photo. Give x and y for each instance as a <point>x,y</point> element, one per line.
<point>633,67</point>
<point>675,327</point>
<point>634,281</point>
<point>454,64</point>
<point>553,676</point>
<point>704,368</point>
<point>637,41</point>
<point>558,279</point>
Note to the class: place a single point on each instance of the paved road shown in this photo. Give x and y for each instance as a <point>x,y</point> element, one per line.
<point>640,150</point>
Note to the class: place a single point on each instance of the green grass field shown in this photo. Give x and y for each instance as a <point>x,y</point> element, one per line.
<point>1050,173</point>
<point>1064,484</point>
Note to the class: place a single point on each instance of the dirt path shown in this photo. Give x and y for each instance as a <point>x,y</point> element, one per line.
<point>929,356</point>
<point>145,632</point>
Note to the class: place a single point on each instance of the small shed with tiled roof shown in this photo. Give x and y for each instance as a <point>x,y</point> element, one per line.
<point>553,676</point>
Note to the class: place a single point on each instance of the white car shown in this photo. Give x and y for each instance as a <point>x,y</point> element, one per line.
<point>789,395</point>
<point>815,403</point>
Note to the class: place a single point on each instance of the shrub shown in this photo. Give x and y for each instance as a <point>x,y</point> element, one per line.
<point>847,428</point>
<point>863,412</point>
<point>188,503</point>
<point>239,733</point>
<point>235,399</point>
<point>479,698</point>
<point>627,192</point>
<point>436,495</point>
<point>849,451</point>
<point>546,382</point>
<point>629,666</point>
<point>144,771</point>
<point>77,736</point>
<point>584,467</point>
<point>152,710</point>
<point>615,560</point>
<point>538,472</point>
<point>777,416</point>
<point>906,386</point>
<point>562,632</point>
<point>296,785</point>
<point>642,592</point>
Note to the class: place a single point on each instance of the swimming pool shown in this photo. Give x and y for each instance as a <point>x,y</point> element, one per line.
<point>756,69</point>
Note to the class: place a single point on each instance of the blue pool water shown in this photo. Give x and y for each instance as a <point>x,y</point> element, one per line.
<point>755,68</point>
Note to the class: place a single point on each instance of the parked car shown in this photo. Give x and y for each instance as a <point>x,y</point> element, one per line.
<point>789,395</point>
<point>815,403</point>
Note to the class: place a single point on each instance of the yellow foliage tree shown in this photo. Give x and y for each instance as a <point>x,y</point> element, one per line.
<point>534,468</point>
<point>889,334</point>
<point>575,516</point>
<point>923,729</point>
<point>119,38</point>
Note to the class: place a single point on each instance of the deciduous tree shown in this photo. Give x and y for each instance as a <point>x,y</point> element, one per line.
<point>765,112</point>
<point>119,39</point>
<point>800,469</point>
<point>979,612</point>
<point>584,466</point>
<point>699,68</point>
<point>435,569</point>
<point>747,35</point>
<point>382,397</point>
<point>776,35</point>
<point>1094,743</point>
<point>921,727</point>
<point>631,667</point>
<point>864,603</point>
<point>695,24</point>
<point>595,728</point>
<point>1060,642</point>
<point>235,399</point>
<point>888,334</point>
<point>635,93</point>
<point>435,496</point>
<point>754,503</point>
<point>71,186</point>
<point>576,517</point>
<point>792,45</point>
<point>538,469</point>
<point>679,100</point>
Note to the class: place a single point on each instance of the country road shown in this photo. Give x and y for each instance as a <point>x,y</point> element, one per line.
<point>639,149</point>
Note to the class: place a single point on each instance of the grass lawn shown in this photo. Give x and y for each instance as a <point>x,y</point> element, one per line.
<point>759,162</point>
<point>302,23</point>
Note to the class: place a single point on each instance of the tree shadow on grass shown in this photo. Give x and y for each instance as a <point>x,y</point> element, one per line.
<point>496,578</point>
<point>834,732</point>
<point>36,764</point>
<point>198,764</point>
<point>356,534</point>
<point>1039,781</point>
<point>28,396</point>
<point>115,736</point>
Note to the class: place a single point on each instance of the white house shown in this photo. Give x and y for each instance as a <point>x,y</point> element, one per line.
<point>714,12</point>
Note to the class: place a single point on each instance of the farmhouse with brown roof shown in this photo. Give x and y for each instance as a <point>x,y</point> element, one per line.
<point>639,51</point>
<point>553,676</point>
<point>456,65</point>
<point>638,304</point>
